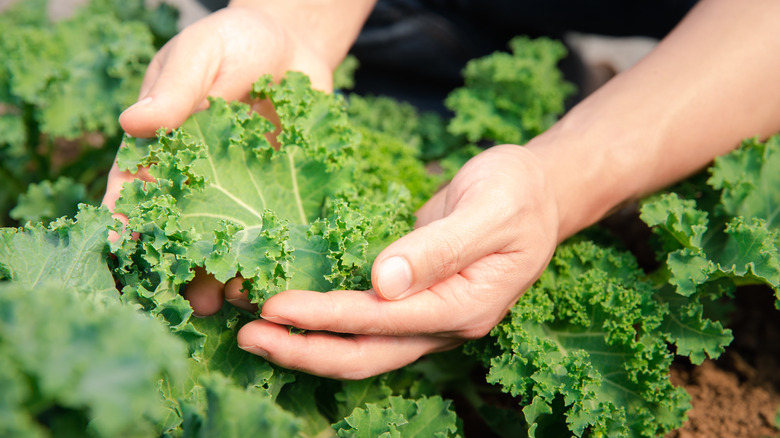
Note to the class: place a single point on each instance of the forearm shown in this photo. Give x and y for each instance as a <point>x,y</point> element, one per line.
<point>710,83</point>
<point>327,27</point>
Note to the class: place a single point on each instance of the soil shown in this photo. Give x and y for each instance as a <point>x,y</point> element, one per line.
<point>737,395</point>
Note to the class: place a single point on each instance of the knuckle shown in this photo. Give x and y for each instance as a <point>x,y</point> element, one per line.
<point>478,331</point>
<point>444,254</point>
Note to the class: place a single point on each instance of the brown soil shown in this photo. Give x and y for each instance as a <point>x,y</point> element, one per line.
<point>738,394</point>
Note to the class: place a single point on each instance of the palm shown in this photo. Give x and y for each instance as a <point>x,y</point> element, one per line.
<point>479,244</point>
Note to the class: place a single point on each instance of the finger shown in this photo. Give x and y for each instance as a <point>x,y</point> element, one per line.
<point>116,178</point>
<point>205,293</point>
<point>475,228</point>
<point>454,307</point>
<point>335,356</point>
<point>432,210</point>
<point>320,75</point>
<point>236,295</point>
<point>175,85</point>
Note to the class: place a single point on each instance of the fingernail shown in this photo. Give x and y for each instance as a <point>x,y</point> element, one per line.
<point>276,319</point>
<point>394,278</point>
<point>140,103</point>
<point>254,349</point>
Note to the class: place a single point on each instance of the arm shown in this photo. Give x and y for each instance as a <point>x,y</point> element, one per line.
<point>712,82</point>
<point>482,241</point>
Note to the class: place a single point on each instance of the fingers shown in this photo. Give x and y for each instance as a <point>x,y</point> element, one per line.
<point>116,178</point>
<point>236,295</point>
<point>496,204</point>
<point>336,356</point>
<point>205,293</point>
<point>453,308</point>
<point>175,85</point>
<point>220,55</point>
<point>438,250</point>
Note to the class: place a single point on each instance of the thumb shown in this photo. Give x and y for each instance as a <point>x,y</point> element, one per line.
<point>437,251</point>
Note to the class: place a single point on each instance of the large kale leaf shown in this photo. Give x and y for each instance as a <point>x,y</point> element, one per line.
<point>298,217</point>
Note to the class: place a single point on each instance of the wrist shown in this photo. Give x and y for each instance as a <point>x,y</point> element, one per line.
<point>326,28</point>
<point>592,167</point>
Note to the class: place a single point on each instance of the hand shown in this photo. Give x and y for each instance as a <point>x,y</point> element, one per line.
<point>478,245</point>
<point>220,55</point>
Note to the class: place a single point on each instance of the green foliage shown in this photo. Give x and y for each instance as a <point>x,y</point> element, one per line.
<point>62,87</point>
<point>398,417</point>
<point>737,239</point>
<point>426,133</point>
<point>588,334</point>
<point>398,130</point>
<point>71,363</point>
<point>585,352</point>
<point>300,217</point>
<point>46,201</point>
<point>510,98</point>
<point>69,252</point>
<point>344,76</point>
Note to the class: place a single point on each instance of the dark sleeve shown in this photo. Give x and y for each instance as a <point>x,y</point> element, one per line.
<point>414,50</point>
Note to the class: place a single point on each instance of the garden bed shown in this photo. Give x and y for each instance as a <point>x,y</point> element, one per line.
<point>738,394</point>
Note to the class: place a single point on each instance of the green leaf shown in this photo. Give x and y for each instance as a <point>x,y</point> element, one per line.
<point>221,354</point>
<point>741,239</point>
<point>232,411</point>
<point>357,393</point>
<point>70,252</point>
<point>76,359</point>
<point>748,179</point>
<point>510,98</point>
<point>400,417</point>
<point>344,76</point>
<point>80,73</point>
<point>46,201</point>
<point>226,200</point>
<point>693,334</point>
<point>587,333</point>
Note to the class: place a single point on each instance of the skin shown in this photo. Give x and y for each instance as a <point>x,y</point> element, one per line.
<point>485,238</point>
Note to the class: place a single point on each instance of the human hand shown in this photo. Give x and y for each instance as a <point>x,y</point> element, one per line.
<point>478,245</point>
<point>220,55</point>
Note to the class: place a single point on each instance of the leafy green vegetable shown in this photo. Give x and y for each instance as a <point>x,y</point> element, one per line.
<point>236,412</point>
<point>77,74</point>
<point>587,335</point>
<point>70,363</point>
<point>46,201</point>
<point>70,252</point>
<point>739,238</point>
<point>344,76</point>
<point>585,352</point>
<point>399,417</point>
<point>510,98</point>
<point>425,132</point>
<point>62,87</point>
<point>301,217</point>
